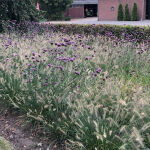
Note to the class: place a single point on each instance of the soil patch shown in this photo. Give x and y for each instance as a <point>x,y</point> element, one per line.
<point>12,128</point>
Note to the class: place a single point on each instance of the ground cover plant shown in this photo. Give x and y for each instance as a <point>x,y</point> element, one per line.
<point>88,92</point>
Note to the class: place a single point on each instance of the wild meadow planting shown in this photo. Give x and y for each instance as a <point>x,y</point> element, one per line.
<point>87,92</point>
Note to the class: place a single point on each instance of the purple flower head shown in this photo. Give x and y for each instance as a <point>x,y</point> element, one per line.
<point>59,44</point>
<point>39,55</point>
<point>25,55</point>
<point>76,55</point>
<point>72,59</point>
<point>98,70</point>
<point>50,65</point>
<point>77,73</point>
<point>89,47</point>
<point>86,58</point>
<point>15,54</point>
<point>107,76</point>
<point>28,64</point>
<point>94,51</point>
<point>33,53</point>
<point>33,57</point>
<point>61,68</point>
<point>44,51</point>
<point>9,41</point>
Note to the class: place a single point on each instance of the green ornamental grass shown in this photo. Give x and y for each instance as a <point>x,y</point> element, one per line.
<point>87,92</point>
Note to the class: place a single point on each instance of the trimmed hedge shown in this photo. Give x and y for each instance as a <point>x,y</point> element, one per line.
<point>130,33</point>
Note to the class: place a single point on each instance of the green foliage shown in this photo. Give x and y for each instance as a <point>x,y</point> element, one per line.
<point>68,18</point>
<point>88,110</point>
<point>136,34</point>
<point>18,10</point>
<point>54,9</point>
<point>127,14</point>
<point>120,13</point>
<point>84,111</point>
<point>135,16</point>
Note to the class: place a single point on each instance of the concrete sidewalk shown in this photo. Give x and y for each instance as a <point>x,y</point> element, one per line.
<point>95,21</point>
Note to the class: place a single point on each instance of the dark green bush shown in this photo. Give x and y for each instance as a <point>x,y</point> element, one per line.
<point>54,8</point>
<point>127,14</point>
<point>120,13</point>
<point>135,16</point>
<point>68,18</point>
<point>18,10</point>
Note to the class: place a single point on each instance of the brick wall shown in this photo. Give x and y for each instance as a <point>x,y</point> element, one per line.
<point>108,9</point>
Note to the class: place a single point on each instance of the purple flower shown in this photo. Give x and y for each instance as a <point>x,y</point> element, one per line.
<point>44,51</point>
<point>107,76</point>
<point>26,55</point>
<point>50,65</point>
<point>15,54</point>
<point>33,53</point>
<point>89,47</point>
<point>86,58</point>
<point>61,68</point>
<point>77,73</point>
<point>71,59</point>
<point>98,70</point>
<point>76,55</point>
<point>28,64</point>
<point>9,41</point>
<point>39,55</point>
<point>33,57</point>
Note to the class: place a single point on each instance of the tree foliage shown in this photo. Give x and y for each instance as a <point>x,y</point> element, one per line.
<point>120,13</point>
<point>135,16</point>
<point>127,16</point>
<point>54,9</point>
<point>18,10</point>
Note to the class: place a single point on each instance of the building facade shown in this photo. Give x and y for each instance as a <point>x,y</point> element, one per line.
<point>108,9</point>
<point>83,8</point>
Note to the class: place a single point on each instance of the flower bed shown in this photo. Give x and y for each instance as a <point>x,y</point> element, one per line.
<point>88,92</point>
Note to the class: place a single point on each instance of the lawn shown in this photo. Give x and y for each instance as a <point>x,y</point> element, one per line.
<point>90,93</point>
